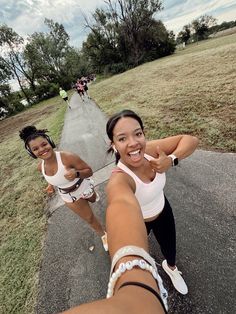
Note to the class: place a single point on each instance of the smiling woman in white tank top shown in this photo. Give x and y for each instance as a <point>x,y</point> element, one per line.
<point>140,177</point>
<point>66,172</point>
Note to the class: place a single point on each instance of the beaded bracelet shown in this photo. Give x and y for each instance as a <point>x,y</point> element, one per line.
<point>128,266</point>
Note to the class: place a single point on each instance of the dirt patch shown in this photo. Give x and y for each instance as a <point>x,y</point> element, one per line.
<point>28,117</point>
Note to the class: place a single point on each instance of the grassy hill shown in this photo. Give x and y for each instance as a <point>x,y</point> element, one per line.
<point>192,91</point>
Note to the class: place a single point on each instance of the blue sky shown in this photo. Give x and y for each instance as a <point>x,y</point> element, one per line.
<point>27,16</point>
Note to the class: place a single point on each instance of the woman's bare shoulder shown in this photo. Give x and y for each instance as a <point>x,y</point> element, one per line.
<point>120,182</point>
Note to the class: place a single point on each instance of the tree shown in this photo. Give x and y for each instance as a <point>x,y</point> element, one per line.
<point>12,46</point>
<point>45,53</point>
<point>201,26</point>
<point>133,20</point>
<point>51,60</point>
<point>184,35</point>
<point>125,34</point>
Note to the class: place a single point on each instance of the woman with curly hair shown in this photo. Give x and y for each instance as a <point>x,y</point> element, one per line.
<point>67,172</point>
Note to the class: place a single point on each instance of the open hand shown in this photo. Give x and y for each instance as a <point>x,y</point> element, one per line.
<point>162,163</point>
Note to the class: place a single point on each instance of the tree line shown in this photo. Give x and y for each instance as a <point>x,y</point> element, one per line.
<point>123,34</point>
<point>201,28</point>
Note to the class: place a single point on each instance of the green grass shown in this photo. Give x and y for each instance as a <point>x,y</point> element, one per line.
<point>192,91</point>
<point>23,223</point>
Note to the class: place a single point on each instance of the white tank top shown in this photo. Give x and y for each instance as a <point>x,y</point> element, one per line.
<point>58,179</point>
<point>149,195</point>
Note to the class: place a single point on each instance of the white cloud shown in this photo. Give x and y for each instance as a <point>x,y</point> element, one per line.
<point>27,16</point>
<point>177,16</point>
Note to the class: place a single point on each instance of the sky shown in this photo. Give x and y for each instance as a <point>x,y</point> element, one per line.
<point>27,16</point>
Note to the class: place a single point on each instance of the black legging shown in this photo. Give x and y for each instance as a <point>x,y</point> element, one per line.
<point>163,228</point>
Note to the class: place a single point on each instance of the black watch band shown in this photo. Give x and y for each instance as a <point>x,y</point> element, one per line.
<point>77,174</point>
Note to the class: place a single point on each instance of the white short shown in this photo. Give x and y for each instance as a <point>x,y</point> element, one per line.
<point>85,190</point>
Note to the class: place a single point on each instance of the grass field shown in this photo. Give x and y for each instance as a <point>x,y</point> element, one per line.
<point>192,91</point>
<point>23,223</point>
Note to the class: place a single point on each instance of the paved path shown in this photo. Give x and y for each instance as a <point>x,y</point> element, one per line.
<point>202,193</point>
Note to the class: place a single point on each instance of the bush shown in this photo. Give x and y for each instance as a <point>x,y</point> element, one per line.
<point>115,68</point>
<point>46,90</point>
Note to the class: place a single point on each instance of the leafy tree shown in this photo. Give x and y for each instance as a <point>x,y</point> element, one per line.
<point>12,57</point>
<point>9,101</point>
<point>135,18</point>
<point>184,35</point>
<point>125,34</point>
<point>201,26</point>
<point>45,53</point>
<point>51,60</point>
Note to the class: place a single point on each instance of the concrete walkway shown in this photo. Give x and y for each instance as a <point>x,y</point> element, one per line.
<point>202,193</point>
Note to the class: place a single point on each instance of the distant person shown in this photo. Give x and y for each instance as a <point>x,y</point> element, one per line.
<point>140,177</point>
<point>85,84</point>
<point>80,89</point>
<point>68,173</point>
<point>64,96</point>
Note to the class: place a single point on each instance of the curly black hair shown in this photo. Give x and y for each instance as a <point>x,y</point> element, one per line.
<point>30,132</point>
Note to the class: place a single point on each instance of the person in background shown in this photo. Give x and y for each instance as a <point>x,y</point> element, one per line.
<point>64,96</point>
<point>84,81</point>
<point>140,177</point>
<point>68,173</point>
<point>80,89</point>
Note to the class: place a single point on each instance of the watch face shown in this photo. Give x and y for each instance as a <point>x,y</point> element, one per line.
<point>175,161</point>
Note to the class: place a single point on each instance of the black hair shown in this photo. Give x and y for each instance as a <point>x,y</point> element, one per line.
<point>111,123</point>
<point>29,133</point>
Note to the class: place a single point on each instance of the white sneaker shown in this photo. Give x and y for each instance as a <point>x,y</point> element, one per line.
<point>176,278</point>
<point>104,241</point>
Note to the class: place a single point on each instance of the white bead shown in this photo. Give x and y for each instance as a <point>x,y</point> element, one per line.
<point>114,276</point>
<point>142,264</point>
<point>110,285</point>
<point>122,268</point>
<point>119,273</point>
<point>135,262</point>
<point>128,265</point>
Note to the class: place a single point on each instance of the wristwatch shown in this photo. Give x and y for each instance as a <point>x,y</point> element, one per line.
<point>175,160</point>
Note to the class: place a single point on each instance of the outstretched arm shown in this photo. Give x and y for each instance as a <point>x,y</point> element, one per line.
<point>125,226</point>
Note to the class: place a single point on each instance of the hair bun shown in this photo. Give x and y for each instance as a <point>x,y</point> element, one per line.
<point>27,131</point>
